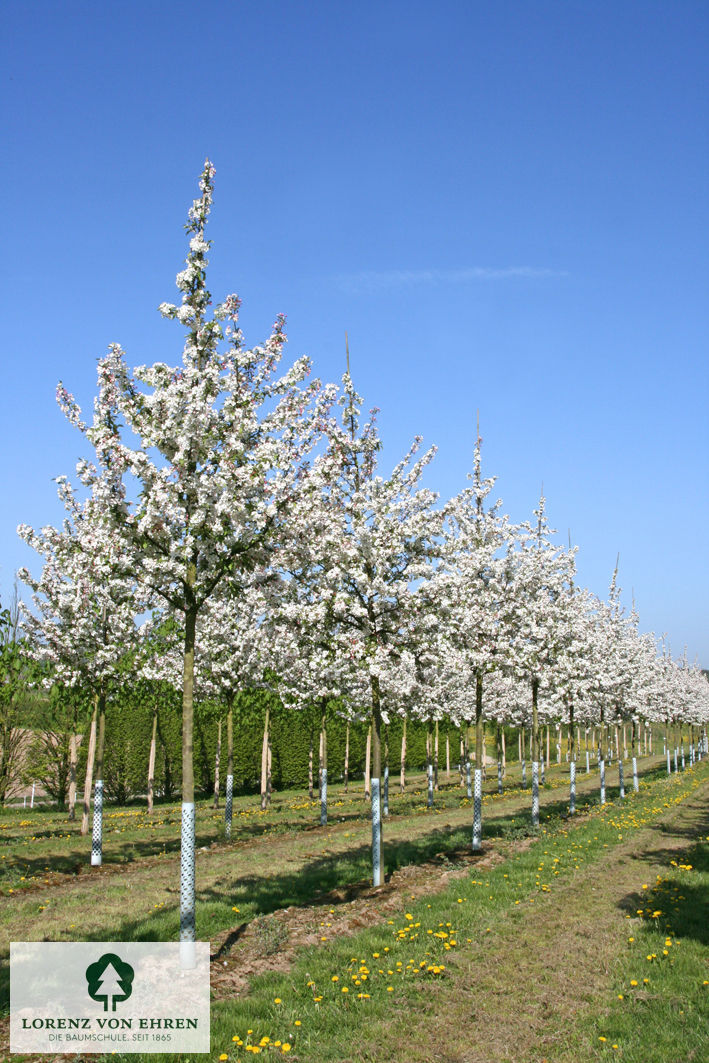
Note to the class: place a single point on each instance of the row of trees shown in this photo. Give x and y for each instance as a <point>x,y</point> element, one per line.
<point>243,513</point>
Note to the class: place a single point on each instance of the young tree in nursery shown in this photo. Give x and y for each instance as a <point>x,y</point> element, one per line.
<point>220,438</point>
<point>473,589</point>
<point>85,605</point>
<point>542,575</point>
<point>372,539</point>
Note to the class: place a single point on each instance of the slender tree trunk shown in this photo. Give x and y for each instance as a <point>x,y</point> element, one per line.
<point>269,771</point>
<point>72,769</point>
<point>477,791</point>
<point>264,761</point>
<point>367,764</point>
<point>385,790</point>
<point>429,766</point>
<point>347,756</point>
<point>97,829</point>
<point>498,743</point>
<point>602,756</point>
<point>548,753</point>
<point>217,757</point>
<point>435,758</point>
<point>621,780</point>
<point>448,757</point>
<point>572,762</point>
<point>151,757</point>
<point>310,767</point>
<point>462,758</point>
<point>634,747</point>
<point>229,792</point>
<point>187,839</point>
<point>323,768</point>
<point>89,777</point>
<point>523,755</point>
<point>535,752</point>
<point>320,762</point>
<point>402,775</point>
<point>504,754</point>
<point>375,731</point>
<point>468,777</point>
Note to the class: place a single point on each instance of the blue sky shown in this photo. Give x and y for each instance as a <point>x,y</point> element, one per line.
<point>503,204</point>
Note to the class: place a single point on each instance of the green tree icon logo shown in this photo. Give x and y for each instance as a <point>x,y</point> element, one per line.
<point>110,980</point>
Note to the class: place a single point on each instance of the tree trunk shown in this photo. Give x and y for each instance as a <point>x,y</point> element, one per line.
<point>621,780</point>
<point>477,788</point>
<point>264,762</point>
<point>375,732</point>
<point>72,769</point>
<point>498,743</point>
<point>429,766</point>
<point>572,761</point>
<point>536,751</point>
<point>448,757</point>
<point>310,767</point>
<point>97,828</point>
<point>89,778</point>
<point>367,763</point>
<point>634,749</point>
<point>187,837</point>
<point>602,756</point>
<point>385,788</point>
<point>435,758</point>
<point>402,776</point>
<point>229,792</point>
<point>151,758</point>
<point>217,756</point>
<point>323,769</point>
<point>347,755</point>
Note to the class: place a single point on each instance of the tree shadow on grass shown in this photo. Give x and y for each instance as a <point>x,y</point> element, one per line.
<point>683,902</point>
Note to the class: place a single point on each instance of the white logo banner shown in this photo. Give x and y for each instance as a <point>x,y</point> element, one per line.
<point>109,996</point>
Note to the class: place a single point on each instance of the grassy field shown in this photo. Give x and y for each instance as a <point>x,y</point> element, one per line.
<point>587,941</point>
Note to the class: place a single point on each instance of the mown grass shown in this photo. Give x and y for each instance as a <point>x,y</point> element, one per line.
<point>660,1009</point>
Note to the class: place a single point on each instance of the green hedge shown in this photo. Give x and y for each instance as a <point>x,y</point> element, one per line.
<point>129,724</point>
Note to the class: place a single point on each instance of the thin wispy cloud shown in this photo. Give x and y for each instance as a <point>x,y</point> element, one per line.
<point>382,280</point>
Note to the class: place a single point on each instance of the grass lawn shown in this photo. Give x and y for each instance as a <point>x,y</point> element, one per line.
<point>526,952</point>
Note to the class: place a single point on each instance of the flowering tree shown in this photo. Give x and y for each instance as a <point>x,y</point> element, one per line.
<point>85,602</point>
<point>372,541</point>
<point>542,575</point>
<point>474,587</point>
<point>220,441</point>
